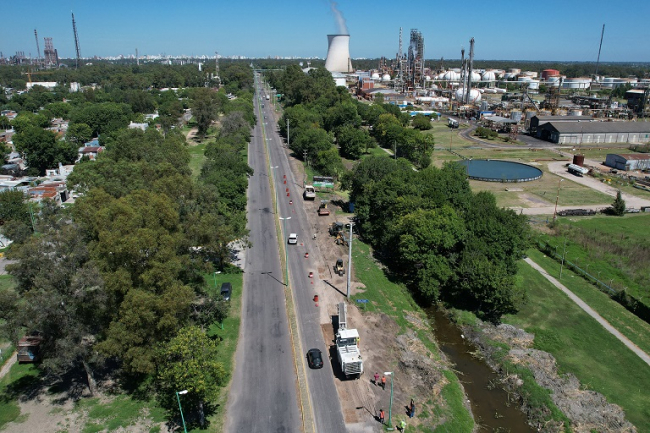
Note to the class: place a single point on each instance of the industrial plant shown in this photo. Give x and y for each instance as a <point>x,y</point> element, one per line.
<point>502,100</point>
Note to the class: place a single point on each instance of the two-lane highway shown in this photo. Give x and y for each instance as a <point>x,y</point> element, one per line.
<point>263,396</point>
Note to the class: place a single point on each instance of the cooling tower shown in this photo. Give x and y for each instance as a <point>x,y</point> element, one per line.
<point>338,54</point>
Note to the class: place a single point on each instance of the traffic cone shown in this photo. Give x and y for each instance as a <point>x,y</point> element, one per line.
<point>306,255</point>
<point>311,275</point>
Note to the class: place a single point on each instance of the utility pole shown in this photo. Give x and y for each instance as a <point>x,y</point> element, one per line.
<point>304,158</point>
<point>288,134</point>
<point>349,259</point>
<point>557,198</point>
<point>563,255</point>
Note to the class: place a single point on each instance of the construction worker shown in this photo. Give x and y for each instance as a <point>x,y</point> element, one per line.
<point>381,416</point>
<point>383,382</point>
<point>412,409</point>
<point>376,379</point>
<point>403,425</point>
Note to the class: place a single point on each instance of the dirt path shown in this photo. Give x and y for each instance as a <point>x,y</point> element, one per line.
<point>634,348</point>
<point>8,364</point>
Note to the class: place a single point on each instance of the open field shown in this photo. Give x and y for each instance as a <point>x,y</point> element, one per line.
<point>583,347</point>
<point>612,249</point>
<point>197,158</point>
<point>624,321</point>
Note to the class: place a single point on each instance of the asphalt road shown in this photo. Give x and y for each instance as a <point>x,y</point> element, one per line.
<point>263,395</point>
<point>325,403</point>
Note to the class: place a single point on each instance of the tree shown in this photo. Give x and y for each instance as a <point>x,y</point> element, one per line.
<point>78,134</point>
<point>63,297</point>
<point>42,150</point>
<point>421,122</point>
<point>204,109</point>
<point>103,118</point>
<point>188,362</point>
<point>618,206</point>
<point>353,141</point>
<point>136,243</point>
<point>13,206</point>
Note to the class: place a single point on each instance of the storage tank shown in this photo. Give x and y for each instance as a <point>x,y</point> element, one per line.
<point>515,115</point>
<point>385,77</point>
<point>475,77</point>
<point>546,73</point>
<point>375,76</point>
<point>474,95</point>
<point>510,76</point>
<point>427,78</point>
<point>534,85</point>
<point>489,76</point>
<point>451,76</point>
<point>577,83</point>
<point>553,81</point>
<point>530,74</point>
<point>490,90</point>
<point>500,90</point>
<point>575,112</point>
<point>514,71</point>
<point>579,160</point>
<point>524,79</point>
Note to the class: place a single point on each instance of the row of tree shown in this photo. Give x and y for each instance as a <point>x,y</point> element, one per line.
<point>446,243</point>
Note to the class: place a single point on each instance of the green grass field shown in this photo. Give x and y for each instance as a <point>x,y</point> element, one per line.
<point>637,330</point>
<point>583,347</point>
<point>612,249</point>
<point>197,158</point>
<point>395,301</point>
<point>229,334</point>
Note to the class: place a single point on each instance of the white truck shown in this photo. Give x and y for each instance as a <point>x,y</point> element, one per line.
<point>346,345</point>
<point>309,193</point>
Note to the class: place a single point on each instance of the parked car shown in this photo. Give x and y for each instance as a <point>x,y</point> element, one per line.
<point>315,358</point>
<point>226,291</point>
<point>293,238</point>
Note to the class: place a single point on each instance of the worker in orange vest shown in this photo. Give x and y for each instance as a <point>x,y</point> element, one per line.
<point>381,416</point>
<point>383,382</point>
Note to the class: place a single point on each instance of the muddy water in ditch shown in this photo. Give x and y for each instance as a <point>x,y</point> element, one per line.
<point>489,404</point>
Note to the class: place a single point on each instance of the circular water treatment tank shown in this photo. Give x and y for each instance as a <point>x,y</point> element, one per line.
<point>491,170</point>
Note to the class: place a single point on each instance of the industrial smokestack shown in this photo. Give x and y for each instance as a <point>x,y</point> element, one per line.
<point>470,70</point>
<point>338,54</point>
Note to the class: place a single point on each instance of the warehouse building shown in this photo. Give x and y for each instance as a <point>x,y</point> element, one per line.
<point>628,161</point>
<point>594,132</point>
<point>536,121</point>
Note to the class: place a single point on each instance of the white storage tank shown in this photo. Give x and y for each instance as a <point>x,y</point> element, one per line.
<point>533,85</point>
<point>474,95</point>
<point>577,83</point>
<point>375,76</point>
<point>489,76</point>
<point>385,77</point>
<point>451,76</point>
<point>500,90</point>
<point>553,81</point>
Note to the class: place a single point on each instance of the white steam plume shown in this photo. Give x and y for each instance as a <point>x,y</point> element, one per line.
<point>340,21</point>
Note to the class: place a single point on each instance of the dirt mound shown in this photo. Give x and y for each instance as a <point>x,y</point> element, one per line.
<point>588,410</point>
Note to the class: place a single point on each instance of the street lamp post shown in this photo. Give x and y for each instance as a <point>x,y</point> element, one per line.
<point>390,405</point>
<point>286,251</point>
<point>180,408</point>
<point>557,198</point>
<point>349,259</point>
<point>215,278</point>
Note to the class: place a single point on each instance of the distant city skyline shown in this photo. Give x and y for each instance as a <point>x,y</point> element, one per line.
<point>550,31</point>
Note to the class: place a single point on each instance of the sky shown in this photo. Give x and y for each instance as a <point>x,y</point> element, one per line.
<point>567,30</point>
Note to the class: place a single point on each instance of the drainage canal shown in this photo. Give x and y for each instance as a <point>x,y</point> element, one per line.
<point>490,406</point>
